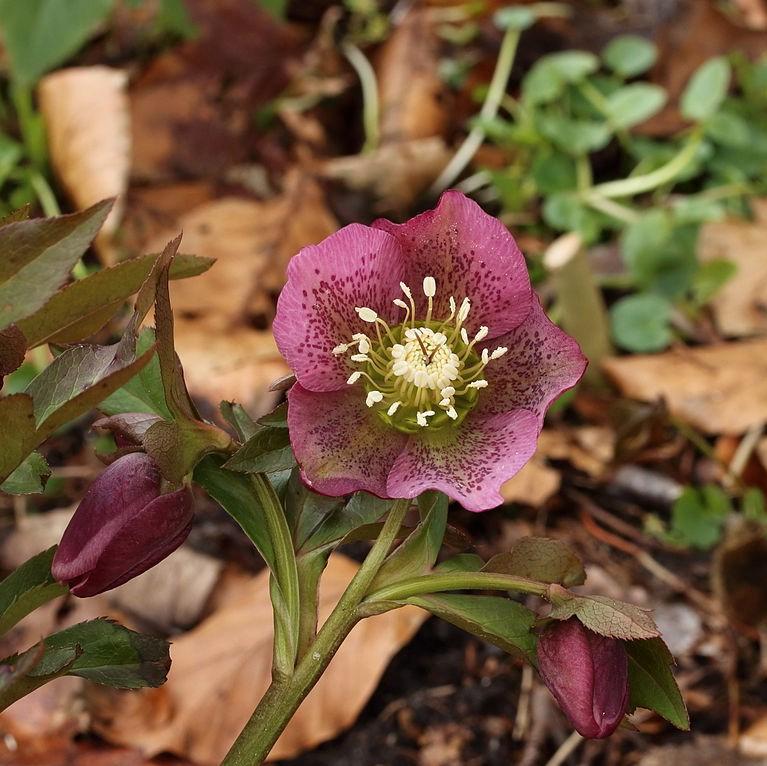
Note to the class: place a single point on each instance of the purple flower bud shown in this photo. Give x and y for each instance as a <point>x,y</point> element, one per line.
<point>587,674</point>
<point>122,527</point>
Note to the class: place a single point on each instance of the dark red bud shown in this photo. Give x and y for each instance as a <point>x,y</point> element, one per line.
<point>122,527</point>
<point>587,674</point>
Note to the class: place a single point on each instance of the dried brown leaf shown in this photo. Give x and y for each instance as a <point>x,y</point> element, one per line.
<point>718,389</point>
<point>87,121</point>
<point>533,485</point>
<point>222,668</point>
<point>740,306</point>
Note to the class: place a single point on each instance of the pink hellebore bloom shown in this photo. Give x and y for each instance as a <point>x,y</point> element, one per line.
<point>587,674</point>
<point>422,356</point>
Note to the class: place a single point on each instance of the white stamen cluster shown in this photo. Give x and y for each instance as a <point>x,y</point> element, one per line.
<point>419,366</point>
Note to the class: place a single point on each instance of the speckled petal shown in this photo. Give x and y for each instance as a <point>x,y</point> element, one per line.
<point>470,254</point>
<point>469,463</point>
<point>541,363</point>
<point>340,444</point>
<point>356,266</point>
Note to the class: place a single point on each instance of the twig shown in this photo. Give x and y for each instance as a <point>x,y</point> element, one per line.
<point>370,106</point>
<point>565,749</point>
<point>522,719</point>
<point>476,136</point>
<point>745,449</point>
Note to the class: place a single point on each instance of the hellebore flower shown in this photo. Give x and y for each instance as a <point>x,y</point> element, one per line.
<point>122,527</point>
<point>422,356</point>
<point>587,674</point>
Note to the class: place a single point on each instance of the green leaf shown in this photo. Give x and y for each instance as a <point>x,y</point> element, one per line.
<point>79,379</point>
<point>730,129</point>
<point>710,278</point>
<point>361,511</point>
<point>18,433</point>
<point>277,8</point>
<point>306,511</point>
<point>698,517</point>
<point>144,391</point>
<point>83,307</point>
<point>640,323</point>
<point>31,585</point>
<point>463,562</point>
<point>38,255</point>
<point>547,79</point>
<point>266,451</point>
<point>499,621</point>
<point>651,683</point>
<point>706,90</point>
<point>635,103</point>
<point>564,212</point>
<point>104,652</point>
<point>554,172</point>
<point>574,137</point>
<point>417,554</point>
<point>235,494</point>
<point>542,559</point>
<point>629,55</point>
<point>514,18</point>
<point>239,419</point>
<point>40,35</point>
<point>29,478</point>
<point>606,616</point>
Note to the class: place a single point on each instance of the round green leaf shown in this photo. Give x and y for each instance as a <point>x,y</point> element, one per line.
<point>514,18</point>
<point>629,55</point>
<point>635,103</point>
<point>706,90</point>
<point>640,323</point>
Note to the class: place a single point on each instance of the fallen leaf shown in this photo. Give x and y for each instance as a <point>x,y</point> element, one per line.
<point>223,316</point>
<point>720,388</point>
<point>411,92</point>
<point>754,13</point>
<point>740,306</point>
<point>192,108</point>
<point>395,174</point>
<point>753,741</point>
<point>63,751</point>
<point>533,485</point>
<point>85,110</point>
<point>701,751</point>
<point>588,448</point>
<point>222,668</point>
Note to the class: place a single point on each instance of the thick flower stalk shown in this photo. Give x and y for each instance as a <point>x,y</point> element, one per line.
<point>587,674</point>
<point>422,356</point>
<point>122,527</point>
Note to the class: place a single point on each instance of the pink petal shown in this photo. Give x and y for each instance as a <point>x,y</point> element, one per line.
<point>356,266</point>
<point>468,463</point>
<point>470,254</point>
<point>541,363</point>
<point>339,442</point>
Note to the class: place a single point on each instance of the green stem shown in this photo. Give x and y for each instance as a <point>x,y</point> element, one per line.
<point>284,582</point>
<point>436,583</point>
<point>285,695</point>
<point>612,208</point>
<point>628,187</point>
<point>495,93</point>
<point>370,106</point>
<point>310,569</point>
<point>45,195</point>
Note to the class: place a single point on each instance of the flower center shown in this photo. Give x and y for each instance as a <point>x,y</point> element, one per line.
<point>422,373</point>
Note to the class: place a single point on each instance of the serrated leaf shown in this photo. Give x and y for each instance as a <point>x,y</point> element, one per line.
<point>652,684</point>
<point>234,493</point>
<point>28,478</point>
<point>499,621</point>
<point>41,34</point>
<point>417,554</point>
<point>144,391</point>
<point>608,617</point>
<point>266,451</point>
<point>101,651</point>
<point>706,90</point>
<point>541,559</point>
<point>26,588</point>
<point>38,256</point>
<point>83,307</point>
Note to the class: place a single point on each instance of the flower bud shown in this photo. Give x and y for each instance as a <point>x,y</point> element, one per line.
<point>122,527</point>
<point>587,674</point>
